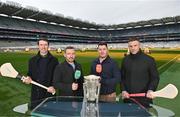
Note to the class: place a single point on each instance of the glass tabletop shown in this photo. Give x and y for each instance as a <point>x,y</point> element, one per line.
<point>68,106</point>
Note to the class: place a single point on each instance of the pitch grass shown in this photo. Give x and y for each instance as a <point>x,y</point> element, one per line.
<point>171,75</point>
<point>13,92</point>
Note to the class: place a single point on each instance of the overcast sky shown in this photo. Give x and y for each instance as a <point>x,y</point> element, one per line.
<point>108,11</point>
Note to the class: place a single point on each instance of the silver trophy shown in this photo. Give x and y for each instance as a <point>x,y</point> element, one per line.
<point>91,87</point>
<point>89,109</point>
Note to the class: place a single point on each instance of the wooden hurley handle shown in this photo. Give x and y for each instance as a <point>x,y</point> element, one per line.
<point>38,84</point>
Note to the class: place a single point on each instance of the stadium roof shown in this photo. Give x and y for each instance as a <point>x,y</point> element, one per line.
<point>13,9</point>
<point>152,22</point>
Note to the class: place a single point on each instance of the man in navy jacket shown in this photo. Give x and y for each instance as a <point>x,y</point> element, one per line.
<point>108,70</point>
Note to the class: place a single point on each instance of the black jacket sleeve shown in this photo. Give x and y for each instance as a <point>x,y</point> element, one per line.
<point>56,62</point>
<point>154,76</point>
<point>122,76</point>
<point>80,83</point>
<point>29,69</point>
<point>57,82</point>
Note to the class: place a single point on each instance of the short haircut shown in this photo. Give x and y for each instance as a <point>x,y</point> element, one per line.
<point>102,43</point>
<point>43,39</point>
<point>133,39</point>
<point>69,47</point>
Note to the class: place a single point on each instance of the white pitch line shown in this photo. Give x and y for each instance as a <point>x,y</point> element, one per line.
<point>168,62</point>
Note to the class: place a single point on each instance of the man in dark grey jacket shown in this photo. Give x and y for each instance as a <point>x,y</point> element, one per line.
<point>68,76</point>
<point>139,74</point>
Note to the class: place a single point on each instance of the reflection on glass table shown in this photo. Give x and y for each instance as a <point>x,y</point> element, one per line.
<point>75,106</point>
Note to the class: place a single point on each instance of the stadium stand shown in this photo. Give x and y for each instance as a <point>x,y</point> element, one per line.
<point>27,24</point>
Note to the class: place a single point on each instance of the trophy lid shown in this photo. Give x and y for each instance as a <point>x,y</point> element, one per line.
<point>92,77</point>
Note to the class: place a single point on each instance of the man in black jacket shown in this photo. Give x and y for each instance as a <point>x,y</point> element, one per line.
<point>108,70</point>
<point>68,76</point>
<point>139,74</point>
<point>41,69</point>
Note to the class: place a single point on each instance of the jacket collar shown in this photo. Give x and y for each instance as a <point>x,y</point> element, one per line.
<point>75,63</point>
<point>137,54</point>
<point>49,55</point>
<point>105,60</point>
